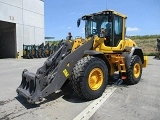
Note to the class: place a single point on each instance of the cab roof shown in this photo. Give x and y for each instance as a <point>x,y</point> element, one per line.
<point>107,12</point>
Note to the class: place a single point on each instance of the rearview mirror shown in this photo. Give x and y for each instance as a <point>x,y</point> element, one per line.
<point>78,22</point>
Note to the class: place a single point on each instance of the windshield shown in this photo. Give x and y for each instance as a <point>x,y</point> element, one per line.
<point>95,24</point>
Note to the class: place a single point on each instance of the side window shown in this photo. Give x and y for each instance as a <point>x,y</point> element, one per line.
<point>90,28</point>
<point>118,30</point>
<point>103,25</point>
<point>94,28</point>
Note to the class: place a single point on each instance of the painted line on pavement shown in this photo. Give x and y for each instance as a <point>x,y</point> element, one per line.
<point>92,108</point>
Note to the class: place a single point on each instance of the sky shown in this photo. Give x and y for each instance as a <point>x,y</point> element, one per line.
<point>60,16</point>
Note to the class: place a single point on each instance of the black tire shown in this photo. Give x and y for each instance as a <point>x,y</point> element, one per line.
<point>132,77</point>
<point>31,56</point>
<point>43,56</point>
<point>36,56</point>
<point>80,77</point>
<point>28,57</point>
<point>39,55</point>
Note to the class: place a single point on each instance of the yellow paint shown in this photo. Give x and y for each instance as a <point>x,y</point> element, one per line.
<point>77,43</point>
<point>65,72</point>
<point>24,52</point>
<point>47,52</point>
<point>145,61</point>
<point>33,52</point>
<point>136,70</point>
<point>95,79</point>
<point>116,62</point>
<point>18,55</point>
<point>100,46</point>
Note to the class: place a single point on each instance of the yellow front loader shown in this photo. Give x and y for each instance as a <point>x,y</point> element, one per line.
<point>88,63</point>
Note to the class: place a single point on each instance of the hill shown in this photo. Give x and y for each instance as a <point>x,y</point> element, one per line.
<point>148,43</point>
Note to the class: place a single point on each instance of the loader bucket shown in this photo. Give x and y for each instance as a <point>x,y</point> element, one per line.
<point>28,85</point>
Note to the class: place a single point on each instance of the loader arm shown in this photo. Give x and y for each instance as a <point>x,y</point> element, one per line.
<point>52,75</point>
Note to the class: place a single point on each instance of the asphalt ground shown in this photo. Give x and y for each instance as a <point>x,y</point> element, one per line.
<point>119,102</point>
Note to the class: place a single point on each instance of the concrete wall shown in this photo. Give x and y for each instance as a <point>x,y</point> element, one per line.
<point>29,18</point>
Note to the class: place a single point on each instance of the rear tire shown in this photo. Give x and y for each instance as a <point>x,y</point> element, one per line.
<point>134,70</point>
<point>28,57</point>
<point>89,77</point>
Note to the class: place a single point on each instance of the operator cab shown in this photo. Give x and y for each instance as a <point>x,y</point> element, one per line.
<point>108,24</point>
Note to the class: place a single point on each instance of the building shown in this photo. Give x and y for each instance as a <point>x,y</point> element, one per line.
<point>21,22</point>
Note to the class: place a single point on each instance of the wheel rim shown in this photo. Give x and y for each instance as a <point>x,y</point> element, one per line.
<point>137,70</point>
<point>95,79</point>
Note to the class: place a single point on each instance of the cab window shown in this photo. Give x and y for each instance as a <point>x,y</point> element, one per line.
<point>117,30</point>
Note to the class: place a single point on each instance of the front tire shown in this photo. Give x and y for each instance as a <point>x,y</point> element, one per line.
<point>89,77</point>
<point>134,71</point>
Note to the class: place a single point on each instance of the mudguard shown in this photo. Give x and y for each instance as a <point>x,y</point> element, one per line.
<point>135,51</point>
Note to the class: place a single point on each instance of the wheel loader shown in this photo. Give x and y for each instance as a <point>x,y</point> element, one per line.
<point>88,64</point>
<point>27,51</point>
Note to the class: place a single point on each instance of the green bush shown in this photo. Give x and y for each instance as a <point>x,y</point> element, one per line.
<point>144,37</point>
<point>150,54</point>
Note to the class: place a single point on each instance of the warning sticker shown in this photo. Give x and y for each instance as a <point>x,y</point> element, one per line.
<point>65,72</point>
